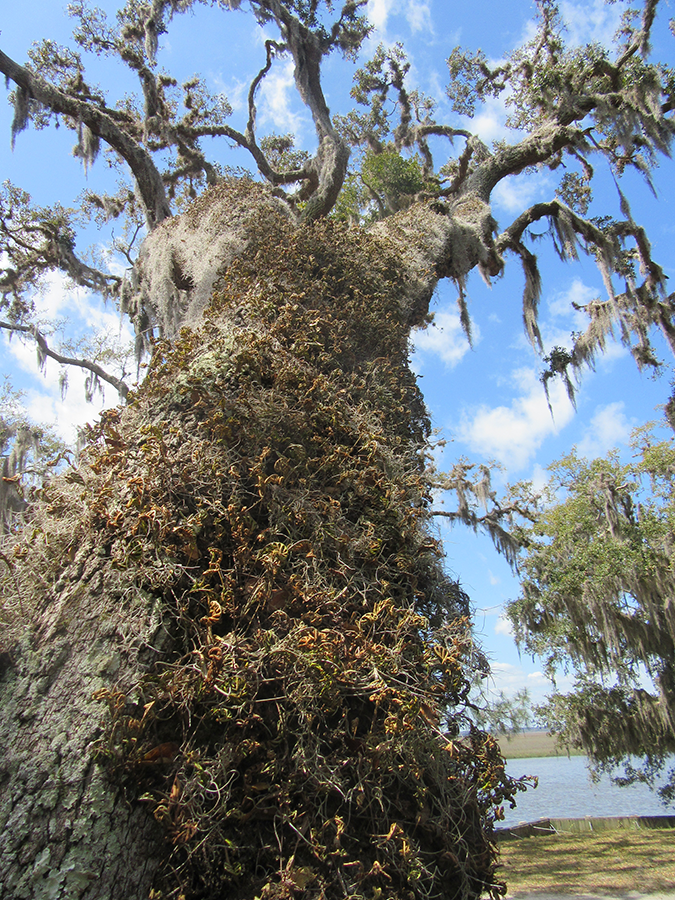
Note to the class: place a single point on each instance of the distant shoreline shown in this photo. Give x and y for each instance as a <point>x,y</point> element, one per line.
<point>532,744</point>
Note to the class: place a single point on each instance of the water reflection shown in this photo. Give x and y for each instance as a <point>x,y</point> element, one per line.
<point>565,790</point>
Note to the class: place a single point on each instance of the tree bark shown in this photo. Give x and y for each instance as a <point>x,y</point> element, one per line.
<point>65,831</point>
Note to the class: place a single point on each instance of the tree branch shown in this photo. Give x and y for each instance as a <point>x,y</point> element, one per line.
<point>498,520</point>
<point>473,145</point>
<point>83,274</point>
<point>539,147</point>
<point>307,48</point>
<point>45,351</point>
<point>37,240</point>
<point>102,124</point>
<point>634,309</point>
<point>255,84</point>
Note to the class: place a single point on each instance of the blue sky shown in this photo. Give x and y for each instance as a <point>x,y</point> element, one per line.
<point>487,402</point>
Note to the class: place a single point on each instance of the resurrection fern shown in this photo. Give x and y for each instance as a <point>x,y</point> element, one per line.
<point>241,569</point>
<point>301,732</point>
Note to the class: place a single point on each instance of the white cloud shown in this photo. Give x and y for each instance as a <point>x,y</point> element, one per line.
<point>444,338</point>
<point>57,301</point>
<point>503,626</point>
<point>609,427</point>
<point>22,350</point>
<point>509,679</point>
<point>490,123</point>
<point>591,22</point>
<point>416,12</point>
<point>512,434</point>
<point>506,678</point>
<point>493,579</point>
<point>539,477</point>
<point>83,315</point>
<point>277,93</point>
<point>69,414</point>
<point>506,669</point>
<point>379,12</point>
<point>53,299</point>
<point>44,404</point>
<point>585,22</point>
<point>517,192</point>
<point>114,262</point>
<point>565,319</point>
<point>560,303</point>
<point>234,90</point>
<point>418,15</point>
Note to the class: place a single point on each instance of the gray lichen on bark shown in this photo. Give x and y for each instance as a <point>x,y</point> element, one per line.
<point>65,830</point>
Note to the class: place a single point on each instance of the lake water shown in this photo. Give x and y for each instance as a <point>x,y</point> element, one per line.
<point>566,791</point>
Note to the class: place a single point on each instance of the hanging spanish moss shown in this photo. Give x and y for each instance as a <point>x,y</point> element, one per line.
<point>596,600</point>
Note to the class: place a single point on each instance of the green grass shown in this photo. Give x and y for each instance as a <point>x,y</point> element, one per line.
<point>622,860</point>
<point>530,744</point>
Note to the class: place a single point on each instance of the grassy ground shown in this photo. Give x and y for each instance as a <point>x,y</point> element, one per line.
<point>609,862</point>
<point>530,744</point>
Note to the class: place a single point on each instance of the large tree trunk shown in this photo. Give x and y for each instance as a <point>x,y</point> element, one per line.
<point>236,662</point>
<point>64,832</point>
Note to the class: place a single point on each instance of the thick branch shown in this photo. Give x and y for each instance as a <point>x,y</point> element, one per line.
<point>539,147</point>
<point>37,241</point>
<point>634,310</point>
<point>83,275</point>
<point>473,145</point>
<point>101,123</point>
<point>552,210</point>
<point>442,131</point>
<point>331,160</point>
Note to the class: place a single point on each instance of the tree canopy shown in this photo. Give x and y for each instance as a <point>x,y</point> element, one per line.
<point>597,587</point>
<point>571,109</point>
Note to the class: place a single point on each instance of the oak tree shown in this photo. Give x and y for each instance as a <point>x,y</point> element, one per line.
<point>596,601</point>
<point>232,661</point>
